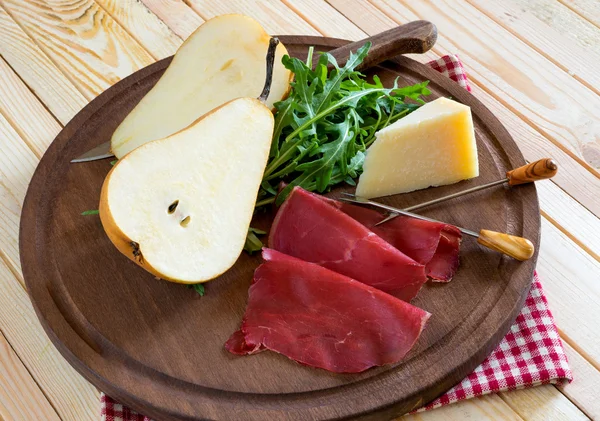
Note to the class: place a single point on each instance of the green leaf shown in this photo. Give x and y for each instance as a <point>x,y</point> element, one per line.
<point>90,212</point>
<point>253,244</point>
<point>113,162</point>
<point>332,85</point>
<point>327,122</point>
<point>199,288</point>
<point>257,231</point>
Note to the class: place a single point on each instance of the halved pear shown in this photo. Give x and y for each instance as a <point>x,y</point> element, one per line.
<point>180,207</point>
<point>222,60</point>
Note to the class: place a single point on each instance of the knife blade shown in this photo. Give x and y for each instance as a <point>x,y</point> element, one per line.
<point>411,38</point>
<point>516,247</point>
<point>99,152</point>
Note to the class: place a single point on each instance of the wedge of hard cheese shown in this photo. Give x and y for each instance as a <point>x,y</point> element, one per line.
<point>433,146</point>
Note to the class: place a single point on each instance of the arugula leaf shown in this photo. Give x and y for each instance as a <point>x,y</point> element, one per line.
<point>253,243</point>
<point>328,121</point>
<point>90,212</point>
<point>199,288</point>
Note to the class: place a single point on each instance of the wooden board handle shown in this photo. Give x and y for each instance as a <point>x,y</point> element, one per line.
<point>516,247</point>
<point>411,38</point>
<point>538,170</point>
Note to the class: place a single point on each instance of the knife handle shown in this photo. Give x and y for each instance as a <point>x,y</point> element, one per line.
<point>538,170</point>
<point>516,247</point>
<point>411,38</point>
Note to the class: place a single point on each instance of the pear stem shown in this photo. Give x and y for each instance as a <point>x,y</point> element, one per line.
<point>273,42</point>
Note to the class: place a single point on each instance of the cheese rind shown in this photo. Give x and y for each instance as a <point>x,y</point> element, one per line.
<point>433,146</point>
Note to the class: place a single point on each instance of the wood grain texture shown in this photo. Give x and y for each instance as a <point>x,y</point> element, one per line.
<point>516,247</point>
<point>588,9</point>
<point>519,77</point>
<point>20,397</point>
<point>414,37</point>
<point>582,391</point>
<point>176,15</point>
<point>325,19</point>
<point>39,73</point>
<point>552,44</point>
<point>542,403</point>
<point>574,220</point>
<point>35,125</point>
<point>183,323</point>
<point>581,184</point>
<point>489,408</point>
<point>573,177</point>
<point>143,25</point>
<point>572,284</point>
<point>83,40</point>
<point>372,21</point>
<point>273,15</point>
<point>541,169</point>
<point>17,163</point>
<point>565,21</point>
<point>73,398</point>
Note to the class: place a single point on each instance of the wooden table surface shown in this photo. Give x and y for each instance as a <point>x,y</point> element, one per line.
<point>534,63</point>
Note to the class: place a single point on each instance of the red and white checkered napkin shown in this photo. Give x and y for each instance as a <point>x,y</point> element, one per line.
<point>529,355</point>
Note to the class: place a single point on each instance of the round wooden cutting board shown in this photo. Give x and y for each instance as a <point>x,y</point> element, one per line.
<point>158,346</point>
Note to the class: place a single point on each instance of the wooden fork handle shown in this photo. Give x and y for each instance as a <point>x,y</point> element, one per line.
<point>538,170</point>
<point>516,247</point>
<point>411,38</point>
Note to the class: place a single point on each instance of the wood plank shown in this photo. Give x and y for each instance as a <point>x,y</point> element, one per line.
<point>372,21</point>
<point>20,397</point>
<point>274,16</point>
<point>542,403</point>
<point>26,114</point>
<point>572,177</point>
<point>553,102</point>
<point>82,40</point>
<point>41,75</point>
<point>17,163</point>
<point>583,390</point>
<point>143,25</point>
<point>575,221</point>
<point>565,21</point>
<point>552,44</point>
<point>73,398</point>
<point>176,14</point>
<point>589,9</point>
<point>571,280</point>
<point>489,407</point>
<point>325,19</point>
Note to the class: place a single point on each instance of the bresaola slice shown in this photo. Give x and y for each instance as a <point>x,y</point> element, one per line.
<point>323,319</point>
<point>444,263</point>
<point>433,244</point>
<point>313,230</point>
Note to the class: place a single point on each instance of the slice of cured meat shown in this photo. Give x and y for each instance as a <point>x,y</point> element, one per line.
<point>311,229</point>
<point>433,244</point>
<point>321,318</point>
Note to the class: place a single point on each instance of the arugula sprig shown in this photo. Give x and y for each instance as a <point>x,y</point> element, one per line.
<point>328,121</point>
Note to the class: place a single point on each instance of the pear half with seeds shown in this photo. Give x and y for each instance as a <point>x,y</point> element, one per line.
<point>222,60</point>
<point>180,207</point>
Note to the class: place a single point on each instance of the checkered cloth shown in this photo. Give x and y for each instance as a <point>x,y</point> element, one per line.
<point>452,67</point>
<point>529,355</point>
